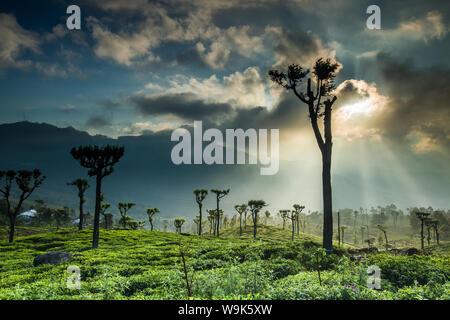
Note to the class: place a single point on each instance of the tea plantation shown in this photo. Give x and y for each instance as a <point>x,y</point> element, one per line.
<point>140,264</point>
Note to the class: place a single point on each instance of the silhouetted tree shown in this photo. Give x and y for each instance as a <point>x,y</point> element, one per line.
<point>219,195</point>
<point>26,181</point>
<point>211,220</point>
<point>324,72</point>
<point>422,216</point>
<point>255,206</point>
<point>107,217</point>
<point>178,223</point>
<point>384,230</point>
<point>82,185</point>
<point>339,227</point>
<point>297,209</point>
<point>293,218</point>
<point>343,233</point>
<point>240,209</point>
<point>362,233</point>
<point>100,161</point>
<point>62,215</point>
<point>200,195</point>
<point>267,216</point>
<point>151,212</point>
<point>284,214</point>
<point>124,207</point>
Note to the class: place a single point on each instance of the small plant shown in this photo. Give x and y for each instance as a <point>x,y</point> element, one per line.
<point>319,255</point>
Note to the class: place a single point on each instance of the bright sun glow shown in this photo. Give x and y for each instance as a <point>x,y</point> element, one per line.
<point>363,107</point>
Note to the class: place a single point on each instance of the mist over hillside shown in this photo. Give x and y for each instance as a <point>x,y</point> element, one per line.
<point>147,176</point>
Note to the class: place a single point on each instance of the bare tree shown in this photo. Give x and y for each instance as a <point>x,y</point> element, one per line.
<point>297,209</point>
<point>100,161</point>
<point>422,216</point>
<point>27,181</point>
<point>82,185</point>
<point>219,195</point>
<point>240,209</point>
<point>124,207</point>
<point>324,72</point>
<point>284,214</point>
<point>384,230</point>
<point>255,206</point>
<point>151,212</point>
<point>178,223</point>
<point>200,195</point>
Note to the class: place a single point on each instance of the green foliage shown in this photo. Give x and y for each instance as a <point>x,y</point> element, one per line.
<point>139,264</point>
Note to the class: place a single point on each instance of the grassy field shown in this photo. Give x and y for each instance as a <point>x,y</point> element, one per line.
<point>148,265</point>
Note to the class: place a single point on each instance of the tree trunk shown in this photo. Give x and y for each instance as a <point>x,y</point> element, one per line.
<point>12,224</point>
<point>327,201</point>
<point>339,228</point>
<point>98,191</point>
<point>293,229</point>
<point>421,234</point>
<point>240,224</point>
<point>255,223</point>
<point>200,223</point>
<point>386,239</point>
<point>218,217</point>
<point>80,223</point>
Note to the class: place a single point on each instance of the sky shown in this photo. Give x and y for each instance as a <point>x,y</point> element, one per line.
<point>140,67</point>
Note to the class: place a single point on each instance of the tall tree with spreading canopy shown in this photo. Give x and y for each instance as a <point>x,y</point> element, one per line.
<point>100,161</point>
<point>178,223</point>
<point>240,208</point>
<point>82,185</point>
<point>284,214</point>
<point>200,195</point>
<point>219,195</point>
<point>124,207</point>
<point>255,207</point>
<point>422,216</point>
<point>151,212</point>
<point>319,105</point>
<point>27,181</point>
<point>298,209</point>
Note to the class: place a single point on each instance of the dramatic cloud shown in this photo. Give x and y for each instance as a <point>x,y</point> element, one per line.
<point>429,27</point>
<point>15,40</point>
<point>419,111</point>
<point>239,89</point>
<point>300,47</point>
<point>183,105</point>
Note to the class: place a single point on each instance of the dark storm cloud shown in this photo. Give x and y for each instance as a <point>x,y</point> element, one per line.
<point>183,105</point>
<point>418,100</point>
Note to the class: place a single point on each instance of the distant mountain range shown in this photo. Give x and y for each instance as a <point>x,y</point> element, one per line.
<point>146,175</point>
